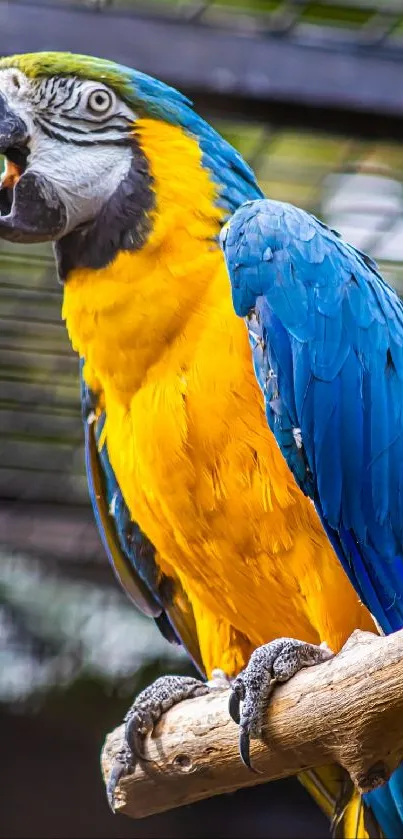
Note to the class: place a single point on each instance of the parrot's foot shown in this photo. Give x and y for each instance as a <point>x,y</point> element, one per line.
<point>147,709</point>
<point>268,665</point>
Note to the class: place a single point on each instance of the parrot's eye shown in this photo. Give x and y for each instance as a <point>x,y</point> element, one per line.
<point>99,101</point>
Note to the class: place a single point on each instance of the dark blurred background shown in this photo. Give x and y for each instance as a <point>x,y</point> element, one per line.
<point>311,94</point>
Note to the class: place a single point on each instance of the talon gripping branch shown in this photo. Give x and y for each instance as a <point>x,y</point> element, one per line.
<point>191,457</point>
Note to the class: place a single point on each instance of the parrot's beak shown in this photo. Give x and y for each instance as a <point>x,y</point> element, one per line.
<point>30,208</point>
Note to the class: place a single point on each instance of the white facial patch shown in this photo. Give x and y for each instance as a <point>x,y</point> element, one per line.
<point>84,177</point>
<point>78,137</point>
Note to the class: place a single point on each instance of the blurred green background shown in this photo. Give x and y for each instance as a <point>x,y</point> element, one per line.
<point>73,651</point>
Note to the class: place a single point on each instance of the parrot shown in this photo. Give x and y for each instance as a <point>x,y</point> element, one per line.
<point>212,526</point>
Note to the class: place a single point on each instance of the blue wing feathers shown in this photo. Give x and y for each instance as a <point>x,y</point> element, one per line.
<point>326,405</point>
<point>273,379</point>
<point>351,444</point>
<point>332,333</point>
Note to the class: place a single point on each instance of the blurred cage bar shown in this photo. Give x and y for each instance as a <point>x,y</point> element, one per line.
<point>310,93</point>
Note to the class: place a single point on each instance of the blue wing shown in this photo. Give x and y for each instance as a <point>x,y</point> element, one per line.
<point>327,338</point>
<point>131,554</point>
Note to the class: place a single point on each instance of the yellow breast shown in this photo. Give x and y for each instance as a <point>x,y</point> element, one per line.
<point>186,431</point>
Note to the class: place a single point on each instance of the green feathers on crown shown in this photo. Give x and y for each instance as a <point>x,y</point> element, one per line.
<point>137,89</point>
<point>150,97</point>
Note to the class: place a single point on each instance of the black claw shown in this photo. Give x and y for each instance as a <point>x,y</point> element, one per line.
<point>118,771</point>
<point>244,743</point>
<point>274,662</point>
<point>244,750</point>
<point>234,706</point>
<point>146,710</point>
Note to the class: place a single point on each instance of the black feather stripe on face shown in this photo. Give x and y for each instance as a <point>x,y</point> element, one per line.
<point>56,131</point>
<point>123,224</point>
<point>62,114</point>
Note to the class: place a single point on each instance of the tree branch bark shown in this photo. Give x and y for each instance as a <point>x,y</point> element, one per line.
<point>348,710</point>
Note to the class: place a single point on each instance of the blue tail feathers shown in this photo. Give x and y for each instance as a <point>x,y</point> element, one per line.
<point>386,804</point>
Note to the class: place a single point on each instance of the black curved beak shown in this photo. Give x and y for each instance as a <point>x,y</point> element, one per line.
<point>30,208</point>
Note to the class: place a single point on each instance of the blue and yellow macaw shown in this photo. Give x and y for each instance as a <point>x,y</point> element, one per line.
<point>199,512</point>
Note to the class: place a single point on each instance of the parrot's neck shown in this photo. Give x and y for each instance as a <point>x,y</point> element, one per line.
<point>123,318</point>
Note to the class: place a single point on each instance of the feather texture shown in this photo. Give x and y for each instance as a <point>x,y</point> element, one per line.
<point>199,514</point>
<point>130,553</point>
<point>328,327</point>
<point>327,343</point>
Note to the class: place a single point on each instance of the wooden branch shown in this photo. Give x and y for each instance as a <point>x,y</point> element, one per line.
<point>347,711</point>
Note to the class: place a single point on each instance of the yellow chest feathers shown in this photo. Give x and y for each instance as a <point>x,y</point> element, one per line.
<point>185,421</point>
<point>186,431</point>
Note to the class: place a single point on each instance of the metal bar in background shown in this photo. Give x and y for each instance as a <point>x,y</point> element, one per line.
<point>63,535</point>
<point>252,76</point>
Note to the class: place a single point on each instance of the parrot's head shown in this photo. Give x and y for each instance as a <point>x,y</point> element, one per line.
<point>73,155</point>
<point>67,137</point>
